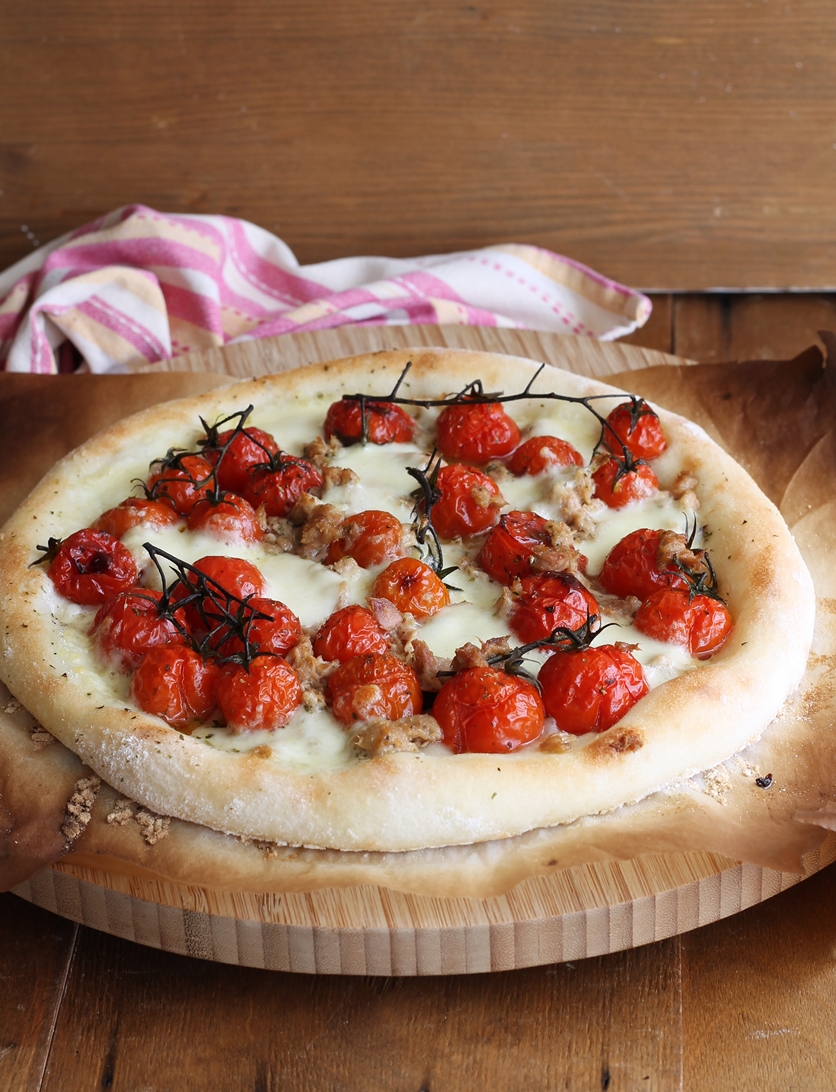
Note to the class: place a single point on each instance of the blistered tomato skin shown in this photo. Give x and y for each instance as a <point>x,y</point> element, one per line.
<point>370,537</point>
<point>617,487</point>
<point>183,484</point>
<point>639,429</point>
<point>277,490</point>
<point>510,548</point>
<point>548,601</point>
<point>261,699</point>
<point>483,710</point>
<point>476,432</point>
<point>542,453</point>
<point>631,567</point>
<point>237,577</point>
<point>352,631</point>
<point>135,511</point>
<point>371,687</point>
<point>129,624</point>
<point>175,683</point>
<point>470,502</point>
<point>386,422</point>
<point>227,517</point>
<point>90,566</point>
<point>700,623</point>
<point>277,633</point>
<point>248,448</point>
<point>590,690</point>
<point>412,587</point>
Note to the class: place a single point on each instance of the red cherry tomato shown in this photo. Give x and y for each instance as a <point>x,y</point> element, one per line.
<point>638,428</point>
<point>412,587</point>
<point>632,567</point>
<point>90,566</point>
<point>548,601</point>
<point>512,546</point>
<point>486,711</point>
<point>175,683</point>
<point>370,537</point>
<point>280,488</point>
<point>700,624</point>
<point>386,422</point>
<point>261,699</point>
<point>248,448</point>
<point>352,631</point>
<point>542,453</point>
<point>128,624</point>
<point>228,517</point>
<point>470,502</point>
<point>277,633</point>
<point>476,432</point>
<point>184,482</point>
<point>233,575</point>
<point>617,486</point>
<point>588,690</point>
<point>135,511</point>
<point>368,687</point>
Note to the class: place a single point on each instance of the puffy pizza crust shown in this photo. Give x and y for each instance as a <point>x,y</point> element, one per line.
<point>410,801</point>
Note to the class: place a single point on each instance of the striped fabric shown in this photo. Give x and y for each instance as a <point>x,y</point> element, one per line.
<point>139,285</point>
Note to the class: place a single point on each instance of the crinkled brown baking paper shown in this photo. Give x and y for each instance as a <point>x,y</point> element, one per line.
<point>775,417</point>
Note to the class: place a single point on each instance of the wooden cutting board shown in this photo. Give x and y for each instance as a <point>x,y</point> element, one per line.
<point>583,911</point>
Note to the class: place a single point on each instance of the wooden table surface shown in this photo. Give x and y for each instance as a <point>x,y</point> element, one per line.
<point>677,147</point>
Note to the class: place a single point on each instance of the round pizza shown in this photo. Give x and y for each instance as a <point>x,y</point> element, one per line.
<point>401,601</point>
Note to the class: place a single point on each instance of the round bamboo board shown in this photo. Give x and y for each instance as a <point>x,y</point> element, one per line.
<point>585,911</point>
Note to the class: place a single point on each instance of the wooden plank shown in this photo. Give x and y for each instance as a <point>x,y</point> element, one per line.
<point>757,992</point>
<point>593,1024</point>
<point>670,146</point>
<point>658,331</point>
<point>756,327</point>
<point>34,961</point>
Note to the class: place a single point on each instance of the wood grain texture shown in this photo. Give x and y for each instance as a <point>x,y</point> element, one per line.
<point>675,146</point>
<point>590,1025</point>
<point>34,961</point>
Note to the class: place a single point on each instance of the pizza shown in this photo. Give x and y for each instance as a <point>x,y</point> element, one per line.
<point>402,601</point>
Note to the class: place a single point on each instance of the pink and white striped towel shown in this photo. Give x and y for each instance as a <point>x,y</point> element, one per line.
<point>139,285</point>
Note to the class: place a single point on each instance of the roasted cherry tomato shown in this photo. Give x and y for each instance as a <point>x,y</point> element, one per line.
<point>352,631</point>
<point>550,600</point>
<point>638,428</point>
<point>128,624</point>
<point>699,623</point>
<point>632,567</point>
<point>259,699</point>
<point>277,633</point>
<point>228,517</point>
<point>368,687</point>
<point>470,502</point>
<point>175,683</point>
<point>588,690</point>
<point>183,480</point>
<point>618,484</point>
<point>476,432</point>
<point>542,453</point>
<point>279,488</point>
<point>386,422</point>
<point>234,575</point>
<point>370,537</point>
<point>517,541</point>
<point>248,448</point>
<point>135,511</point>
<point>486,711</point>
<point>91,566</point>
<point>412,587</point>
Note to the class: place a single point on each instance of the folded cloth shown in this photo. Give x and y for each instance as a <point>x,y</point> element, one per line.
<point>138,286</point>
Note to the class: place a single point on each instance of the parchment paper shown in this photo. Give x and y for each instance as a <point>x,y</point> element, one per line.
<point>775,417</point>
